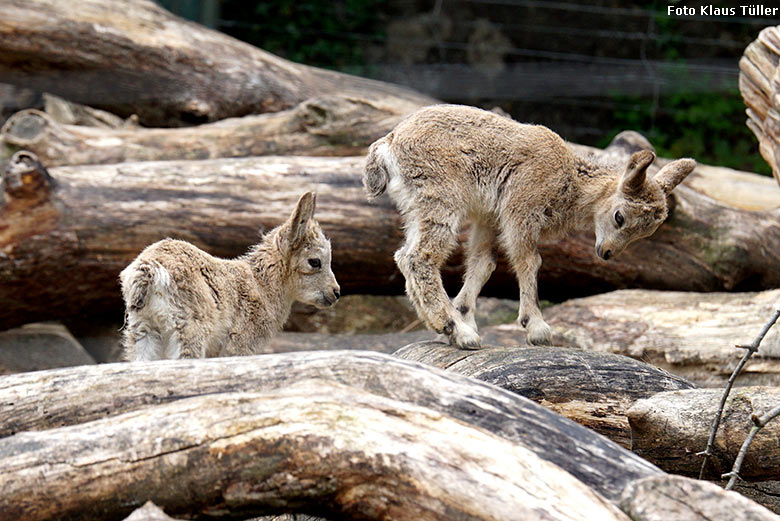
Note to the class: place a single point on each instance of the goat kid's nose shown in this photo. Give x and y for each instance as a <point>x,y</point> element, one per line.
<point>607,254</point>
<point>336,293</point>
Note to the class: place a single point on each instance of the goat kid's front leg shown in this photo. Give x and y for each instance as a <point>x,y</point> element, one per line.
<point>419,260</point>
<point>526,265</point>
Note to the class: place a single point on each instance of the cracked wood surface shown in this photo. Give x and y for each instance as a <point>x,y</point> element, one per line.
<point>62,246</point>
<point>315,446</point>
<point>593,389</point>
<point>36,401</point>
<point>759,82</point>
<point>669,428</point>
<point>133,57</point>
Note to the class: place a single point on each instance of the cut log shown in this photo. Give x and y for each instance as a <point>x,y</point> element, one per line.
<point>315,446</point>
<point>661,498</point>
<point>95,392</point>
<point>689,334</point>
<point>669,428</point>
<point>759,83</point>
<point>593,389</point>
<point>133,57</point>
<point>64,238</point>
<point>323,126</point>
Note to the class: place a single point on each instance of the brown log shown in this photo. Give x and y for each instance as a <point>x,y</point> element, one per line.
<point>65,238</point>
<point>332,125</point>
<point>661,498</point>
<point>669,429</point>
<point>759,83</point>
<point>689,334</point>
<point>593,389</point>
<point>133,57</point>
<point>117,396</point>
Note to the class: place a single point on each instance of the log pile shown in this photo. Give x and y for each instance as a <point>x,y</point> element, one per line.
<point>210,140</point>
<point>348,435</point>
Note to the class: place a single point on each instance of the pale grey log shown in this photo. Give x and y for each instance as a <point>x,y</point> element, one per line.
<point>670,428</point>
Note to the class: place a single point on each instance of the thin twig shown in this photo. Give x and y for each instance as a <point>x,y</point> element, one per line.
<point>750,349</point>
<point>758,424</point>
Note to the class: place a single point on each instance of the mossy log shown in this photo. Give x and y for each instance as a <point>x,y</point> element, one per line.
<point>759,83</point>
<point>593,389</point>
<point>66,234</point>
<point>670,428</point>
<point>333,125</point>
<point>133,57</point>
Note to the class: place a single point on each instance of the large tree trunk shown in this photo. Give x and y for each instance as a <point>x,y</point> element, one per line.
<point>333,125</point>
<point>65,237</point>
<point>670,428</point>
<point>593,389</point>
<point>133,57</point>
<point>318,447</point>
<point>759,83</point>
<point>176,389</point>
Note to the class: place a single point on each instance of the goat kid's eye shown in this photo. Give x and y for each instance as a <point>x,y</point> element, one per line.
<point>619,218</point>
<point>315,263</point>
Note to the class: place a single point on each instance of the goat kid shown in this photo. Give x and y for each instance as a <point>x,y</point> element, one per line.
<point>517,184</point>
<point>182,302</point>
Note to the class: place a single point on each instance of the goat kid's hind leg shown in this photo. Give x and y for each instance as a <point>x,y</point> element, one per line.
<point>525,260</point>
<point>141,343</point>
<point>429,242</point>
<point>480,263</point>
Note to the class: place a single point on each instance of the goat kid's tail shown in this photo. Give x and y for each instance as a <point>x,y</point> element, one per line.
<point>138,279</point>
<point>376,175</point>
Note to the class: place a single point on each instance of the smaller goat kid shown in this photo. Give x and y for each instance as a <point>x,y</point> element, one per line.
<point>517,184</point>
<point>182,302</point>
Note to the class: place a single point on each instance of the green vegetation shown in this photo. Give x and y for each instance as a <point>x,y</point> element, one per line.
<point>707,126</point>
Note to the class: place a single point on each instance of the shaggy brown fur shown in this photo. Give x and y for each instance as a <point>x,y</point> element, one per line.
<point>517,184</point>
<point>182,302</point>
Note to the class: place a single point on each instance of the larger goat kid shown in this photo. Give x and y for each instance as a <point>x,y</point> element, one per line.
<point>517,184</point>
<point>183,303</point>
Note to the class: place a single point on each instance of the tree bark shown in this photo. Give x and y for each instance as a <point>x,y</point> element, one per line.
<point>759,83</point>
<point>669,428</point>
<point>102,392</point>
<point>315,446</point>
<point>65,237</point>
<point>660,498</point>
<point>332,125</point>
<point>593,389</point>
<point>133,57</point>
<point>689,334</point>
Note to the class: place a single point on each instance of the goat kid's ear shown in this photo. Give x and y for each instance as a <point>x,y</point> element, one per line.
<point>672,174</point>
<point>304,211</point>
<point>636,170</point>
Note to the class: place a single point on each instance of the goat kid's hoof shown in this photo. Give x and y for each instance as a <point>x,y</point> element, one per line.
<point>539,334</point>
<point>465,337</point>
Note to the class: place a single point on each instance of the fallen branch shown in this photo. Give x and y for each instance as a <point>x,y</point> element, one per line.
<point>758,424</point>
<point>749,350</point>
